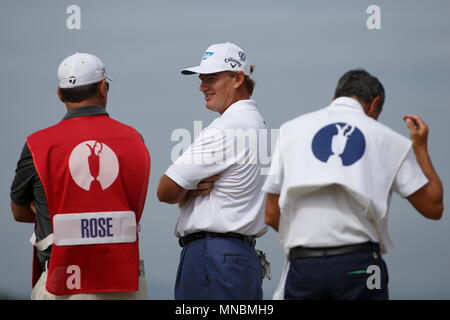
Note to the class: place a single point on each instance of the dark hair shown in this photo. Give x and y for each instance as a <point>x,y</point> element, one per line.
<point>361,84</point>
<point>79,94</point>
<point>249,83</point>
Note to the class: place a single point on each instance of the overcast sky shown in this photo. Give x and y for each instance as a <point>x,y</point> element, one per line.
<point>300,49</point>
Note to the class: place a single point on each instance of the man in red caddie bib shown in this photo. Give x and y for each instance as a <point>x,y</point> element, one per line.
<point>83,182</point>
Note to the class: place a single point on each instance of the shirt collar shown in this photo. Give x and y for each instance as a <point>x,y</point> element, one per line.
<point>347,102</point>
<point>240,105</point>
<point>85,111</point>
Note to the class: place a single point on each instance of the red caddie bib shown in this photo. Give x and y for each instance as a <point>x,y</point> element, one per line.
<point>95,173</point>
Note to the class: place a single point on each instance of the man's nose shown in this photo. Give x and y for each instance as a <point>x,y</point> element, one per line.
<point>203,86</point>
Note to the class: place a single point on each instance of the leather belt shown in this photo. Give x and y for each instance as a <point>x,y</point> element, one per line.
<point>183,241</point>
<point>304,252</point>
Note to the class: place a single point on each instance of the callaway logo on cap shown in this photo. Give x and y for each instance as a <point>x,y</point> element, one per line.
<point>81,69</point>
<point>221,57</point>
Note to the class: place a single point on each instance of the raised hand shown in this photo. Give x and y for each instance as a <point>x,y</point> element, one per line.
<point>418,130</point>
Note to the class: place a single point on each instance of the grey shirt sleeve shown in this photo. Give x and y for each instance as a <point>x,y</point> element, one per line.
<point>27,187</point>
<point>24,180</point>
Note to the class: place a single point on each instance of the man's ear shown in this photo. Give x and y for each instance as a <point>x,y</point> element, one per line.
<point>103,89</point>
<point>239,78</point>
<point>374,108</point>
<point>60,96</point>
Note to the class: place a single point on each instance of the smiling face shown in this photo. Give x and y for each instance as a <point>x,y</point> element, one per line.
<point>220,90</point>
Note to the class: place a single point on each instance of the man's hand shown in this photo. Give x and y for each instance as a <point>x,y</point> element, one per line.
<point>418,130</point>
<point>23,213</point>
<point>203,188</point>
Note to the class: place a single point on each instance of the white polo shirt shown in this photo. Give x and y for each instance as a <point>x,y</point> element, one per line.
<point>229,147</point>
<point>329,216</point>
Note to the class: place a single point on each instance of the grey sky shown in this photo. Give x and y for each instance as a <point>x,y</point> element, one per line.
<point>300,49</point>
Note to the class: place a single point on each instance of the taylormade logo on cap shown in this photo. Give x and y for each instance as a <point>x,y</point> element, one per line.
<point>81,69</point>
<point>221,57</point>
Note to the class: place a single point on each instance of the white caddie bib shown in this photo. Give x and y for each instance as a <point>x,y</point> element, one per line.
<point>342,146</point>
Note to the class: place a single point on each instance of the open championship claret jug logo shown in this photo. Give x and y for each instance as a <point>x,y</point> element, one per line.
<point>339,143</point>
<point>93,165</point>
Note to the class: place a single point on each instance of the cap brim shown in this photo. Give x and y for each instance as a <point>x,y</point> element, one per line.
<point>187,71</point>
<point>201,70</point>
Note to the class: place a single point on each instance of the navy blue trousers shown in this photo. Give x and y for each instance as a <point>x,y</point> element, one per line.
<point>219,268</point>
<point>341,277</point>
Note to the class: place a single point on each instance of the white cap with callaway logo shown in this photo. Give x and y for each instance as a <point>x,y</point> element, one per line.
<point>81,69</point>
<point>221,57</point>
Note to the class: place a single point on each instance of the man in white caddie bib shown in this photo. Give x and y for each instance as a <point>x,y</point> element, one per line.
<point>332,176</point>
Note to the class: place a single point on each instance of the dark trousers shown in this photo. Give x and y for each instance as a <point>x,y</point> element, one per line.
<point>220,269</point>
<point>340,277</point>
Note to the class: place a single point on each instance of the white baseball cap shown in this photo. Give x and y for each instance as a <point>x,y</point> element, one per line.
<point>81,69</point>
<point>221,57</point>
